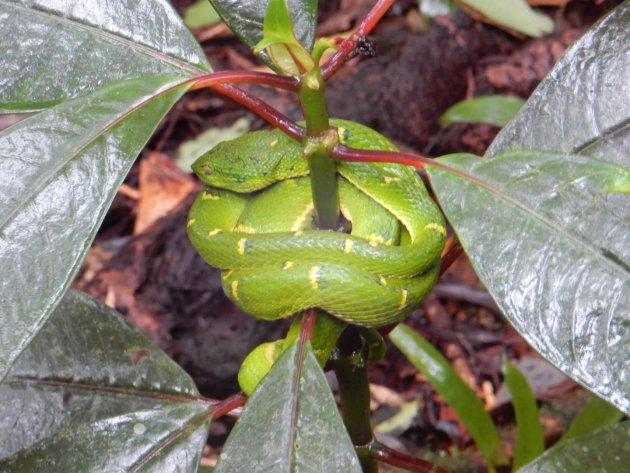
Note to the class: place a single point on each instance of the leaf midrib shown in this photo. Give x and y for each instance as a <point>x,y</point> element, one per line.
<point>37,187</point>
<point>607,262</point>
<point>110,36</point>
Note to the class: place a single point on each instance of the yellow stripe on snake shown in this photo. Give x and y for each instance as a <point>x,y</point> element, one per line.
<point>255,221</point>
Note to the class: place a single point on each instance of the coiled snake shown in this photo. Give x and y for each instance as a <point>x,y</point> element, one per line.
<point>255,221</point>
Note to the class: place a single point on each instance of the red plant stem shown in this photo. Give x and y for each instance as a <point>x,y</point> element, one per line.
<point>449,258</point>
<point>370,20</point>
<point>262,78</point>
<point>418,161</point>
<point>350,154</point>
<point>227,405</point>
<point>262,109</point>
<point>387,455</point>
<point>308,325</point>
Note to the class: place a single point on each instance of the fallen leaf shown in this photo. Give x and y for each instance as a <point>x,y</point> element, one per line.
<point>162,187</point>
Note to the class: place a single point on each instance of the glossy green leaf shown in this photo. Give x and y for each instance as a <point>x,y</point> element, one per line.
<point>515,15</point>
<point>53,51</point>
<point>246,19</point>
<point>59,171</point>
<point>444,379</point>
<point>578,323</point>
<point>603,451</point>
<point>279,42</point>
<point>556,259</point>
<point>595,415</point>
<point>200,14</point>
<point>92,394</point>
<point>583,106</point>
<point>530,439</point>
<point>492,109</point>
<point>290,424</point>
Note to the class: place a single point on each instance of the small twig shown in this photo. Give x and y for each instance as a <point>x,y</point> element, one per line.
<point>348,45</point>
<point>449,257</point>
<point>228,406</point>
<point>392,457</point>
<point>466,294</point>
<point>128,191</point>
<point>263,110</point>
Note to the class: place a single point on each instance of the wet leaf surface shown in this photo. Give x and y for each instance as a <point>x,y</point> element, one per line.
<point>245,18</point>
<point>556,260</point>
<point>60,170</point>
<point>290,424</point>
<point>603,451</point>
<point>54,51</point>
<point>91,393</point>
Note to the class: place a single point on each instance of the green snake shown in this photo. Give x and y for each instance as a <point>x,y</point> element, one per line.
<point>254,220</point>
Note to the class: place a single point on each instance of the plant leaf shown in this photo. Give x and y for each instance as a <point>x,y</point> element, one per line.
<point>530,439</point>
<point>291,423</point>
<point>493,109</point>
<point>280,43</point>
<point>445,380</point>
<point>59,171</point>
<point>583,106</point>
<point>91,393</point>
<point>201,14</point>
<point>596,414</point>
<point>556,260</point>
<point>605,451</point>
<point>246,19</point>
<point>513,15</point>
<point>54,51</point>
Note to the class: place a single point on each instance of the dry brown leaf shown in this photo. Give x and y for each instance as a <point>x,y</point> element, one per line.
<point>162,187</point>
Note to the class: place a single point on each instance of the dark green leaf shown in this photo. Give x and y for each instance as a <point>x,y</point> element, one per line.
<point>493,109</point>
<point>246,18</point>
<point>595,415</point>
<point>53,51</point>
<point>290,424</point>
<point>603,451</point>
<point>430,362</point>
<point>92,394</point>
<point>279,42</point>
<point>556,259</point>
<point>59,171</point>
<point>530,439</point>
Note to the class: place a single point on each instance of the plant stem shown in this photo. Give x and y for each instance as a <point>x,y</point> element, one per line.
<point>354,393</point>
<point>400,460</point>
<point>375,14</point>
<point>322,168</point>
<point>262,109</point>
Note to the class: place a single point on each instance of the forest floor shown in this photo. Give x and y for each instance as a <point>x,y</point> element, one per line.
<point>143,265</point>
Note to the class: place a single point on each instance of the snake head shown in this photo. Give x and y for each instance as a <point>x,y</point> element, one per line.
<point>251,162</point>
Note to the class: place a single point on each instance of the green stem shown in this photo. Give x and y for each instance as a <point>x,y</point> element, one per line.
<point>354,393</point>
<point>322,168</point>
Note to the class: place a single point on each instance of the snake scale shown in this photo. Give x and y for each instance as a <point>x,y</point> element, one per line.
<point>254,220</point>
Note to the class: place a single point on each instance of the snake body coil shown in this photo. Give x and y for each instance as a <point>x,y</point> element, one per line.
<point>254,221</point>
